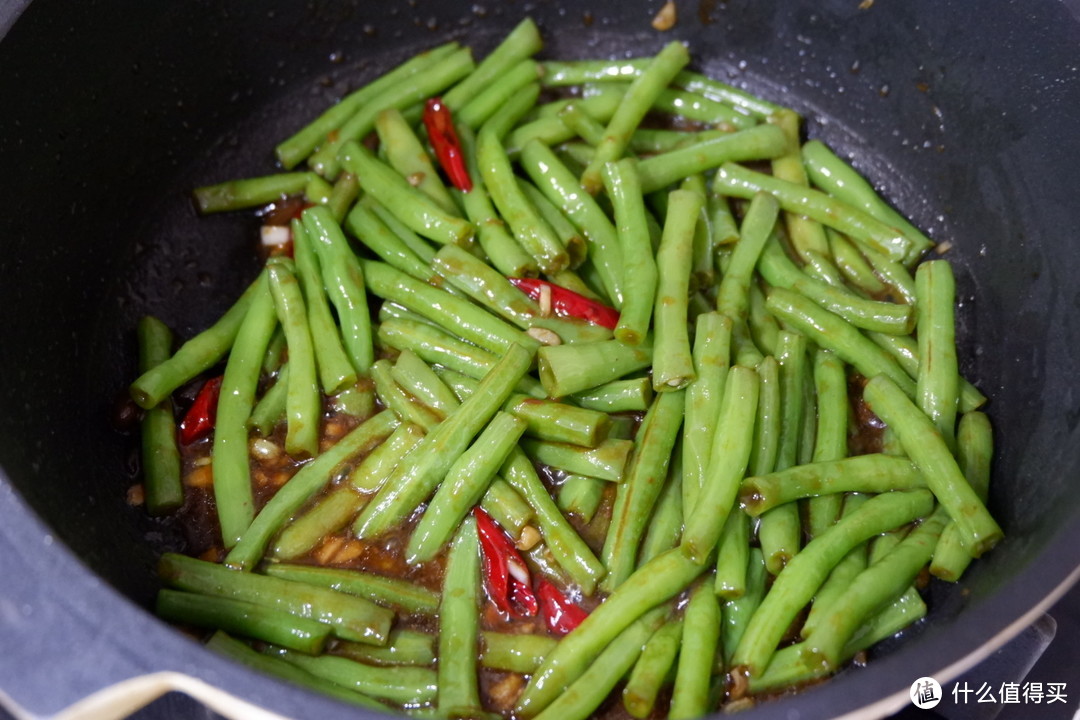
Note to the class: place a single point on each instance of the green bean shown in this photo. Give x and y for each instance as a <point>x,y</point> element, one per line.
<point>805,572</point>
<point>698,108</point>
<point>345,192</point>
<point>581,698</point>
<point>653,583</point>
<point>329,514</point>
<point>830,387</point>
<point>242,618</point>
<point>740,182</point>
<point>741,99</point>
<point>727,464</point>
<point>570,551</point>
<point>271,406</point>
<point>928,451</point>
<point>562,188</point>
<point>633,395</point>
<point>393,592</point>
<point>373,470</point>
<point>196,355</point>
<point>892,272</point>
<point>417,378</point>
<point>303,486</point>
<point>651,670</point>
<point>415,209</point>
<point>559,422</point>
<point>875,587</point>
<point>639,264</point>
<point>160,454</point>
<point>514,652</point>
<point>872,473</point>
<point>487,287</point>
<point>780,529</point>
<point>366,226</point>
<point>854,266</point>
<point>344,283</point>
<point>666,524</point>
<point>673,364</point>
<point>468,321</point>
<point>761,142</point>
<point>419,246</point>
<point>405,647</point>
<point>509,82</point>
<point>712,353</point>
<point>905,350</point>
<point>732,297</point>
<point>701,635</point>
<point>561,73</point>
<point>737,611</point>
<point>733,556</point>
<point>532,232</point>
<point>636,497</point>
<point>936,385</point>
<point>459,626</point>
<point>506,506</point>
<point>790,665</point>
<point>245,655</point>
<point>839,580</point>
<point>521,42</point>
<point>303,402</point>
<point>335,369</point>
<point>652,140</point>
<point>351,618</point>
<point>298,146</point>
<point>837,178</point>
<point>275,352</point>
<point>582,123</point>
<point>974,452</point>
<point>764,328</point>
<point>406,154</point>
<point>415,479</point>
<point>330,156</point>
<point>249,192</point>
<point>635,104</point>
<point>581,495</point>
<point>779,271</point>
<point>767,425</point>
<point>399,685</point>
<point>464,485</point>
<point>832,332</point>
<point>393,397</point>
<point>606,461</point>
<point>570,369</point>
<point>317,191</point>
<point>502,250</point>
<point>231,467</point>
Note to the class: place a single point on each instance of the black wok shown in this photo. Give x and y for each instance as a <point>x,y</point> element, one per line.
<point>963,113</point>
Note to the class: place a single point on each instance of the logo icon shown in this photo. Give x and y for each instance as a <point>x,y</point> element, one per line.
<point>925,693</point>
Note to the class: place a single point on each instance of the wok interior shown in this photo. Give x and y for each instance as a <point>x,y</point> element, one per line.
<point>112,115</point>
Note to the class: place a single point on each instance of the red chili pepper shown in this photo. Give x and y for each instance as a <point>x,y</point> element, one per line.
<point>199,419</point>
<point>444,140</point>
<point>569,303</point>
<point>506,576</point>
<point>560,614</point>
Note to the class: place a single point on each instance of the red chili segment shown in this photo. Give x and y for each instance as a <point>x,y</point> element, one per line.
<point>200,417</point>
<point>560,614</point>
<point>568,303</point>
<point>506,576</point>
<point>444,140</point>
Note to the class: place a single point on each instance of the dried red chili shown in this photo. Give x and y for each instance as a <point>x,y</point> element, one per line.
<point>200,417</point>
<point>569,303</point>
<point>444,140</point>
<point>560,614</point>
<point>506,577</point>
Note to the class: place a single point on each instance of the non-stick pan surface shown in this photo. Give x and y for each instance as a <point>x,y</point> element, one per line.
<point>963,114</point>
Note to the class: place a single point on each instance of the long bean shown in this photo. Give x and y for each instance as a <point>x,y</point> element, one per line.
<point>633,395</point>
<point>232,473</point>
<point>581,495</point>
<point>160,453</point>
<point>569,369</point>
<point>805,572</point>
<point>673,364</point>
<point>513,652</point>
<point>701,636</point>
<point>405,647</point>
<point>831,436</point>
<point>936,386</point>
<point>521,42</point>
<point>302,486</point>
<point>406,154</point>
<point>974,452</point>
<point>666,525</point>
<point>639,264</point>
<point>652,669</point>
<point>401,685</point>
<point>928,451</point>
<point>712,354</point>
<point>459,627</point>
<point>303,402</point>
<point>606,461</point>
<point>761,142</point>
<point>329,514</point>
<point>374,469</point>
